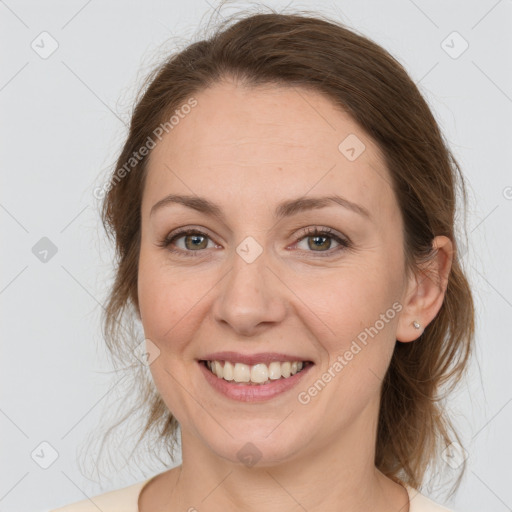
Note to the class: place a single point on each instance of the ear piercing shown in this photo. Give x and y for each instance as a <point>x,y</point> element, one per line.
<point>416,325</point>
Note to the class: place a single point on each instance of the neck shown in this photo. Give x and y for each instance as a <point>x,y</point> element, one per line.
<point>338,476</point>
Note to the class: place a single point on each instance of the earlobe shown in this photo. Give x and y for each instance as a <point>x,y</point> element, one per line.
<point>426,291</point>
<point>410,332</point>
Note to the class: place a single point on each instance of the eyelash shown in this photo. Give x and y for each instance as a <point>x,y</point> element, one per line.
<point>309,232</point>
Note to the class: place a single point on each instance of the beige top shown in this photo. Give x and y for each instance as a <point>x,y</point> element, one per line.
<point>126,500</point>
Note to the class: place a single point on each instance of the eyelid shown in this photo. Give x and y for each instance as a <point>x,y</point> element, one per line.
<point>321,230</point>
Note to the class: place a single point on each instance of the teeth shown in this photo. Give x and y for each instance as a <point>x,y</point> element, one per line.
<point>274,370</point>
<point>227,371</point>
<point>241,373</point>
<point>258,374</point>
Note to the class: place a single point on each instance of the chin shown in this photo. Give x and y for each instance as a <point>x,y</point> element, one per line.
<point>259,447</point>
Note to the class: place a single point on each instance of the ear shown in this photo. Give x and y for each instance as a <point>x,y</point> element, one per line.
<point>425,291</point>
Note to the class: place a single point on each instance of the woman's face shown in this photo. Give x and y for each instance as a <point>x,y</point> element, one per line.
<point>254,281</point>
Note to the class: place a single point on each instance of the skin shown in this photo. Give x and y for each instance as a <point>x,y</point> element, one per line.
<point>248,149</point>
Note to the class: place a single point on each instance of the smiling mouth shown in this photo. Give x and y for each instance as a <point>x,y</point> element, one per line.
<point>258,374</point>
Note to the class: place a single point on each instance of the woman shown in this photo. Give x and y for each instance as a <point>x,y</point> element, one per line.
<point>283,212</point>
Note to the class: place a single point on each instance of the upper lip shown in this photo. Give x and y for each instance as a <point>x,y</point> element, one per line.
<point>252,359</point>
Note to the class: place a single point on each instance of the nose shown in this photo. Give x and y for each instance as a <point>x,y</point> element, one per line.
<point>250,298</point>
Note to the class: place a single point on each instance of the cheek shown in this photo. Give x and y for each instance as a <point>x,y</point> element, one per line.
<point>167,314</point>
<point>356,311</point>
<point>347,300</point>
<point>361,311</point>
<point>160,297</point>
<point>170,301</point>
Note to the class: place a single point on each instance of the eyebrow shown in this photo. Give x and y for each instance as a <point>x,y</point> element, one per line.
<point>284,209</point>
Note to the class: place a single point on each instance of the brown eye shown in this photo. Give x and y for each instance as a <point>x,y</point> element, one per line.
<point>319,242</point>
<point>193,242</point>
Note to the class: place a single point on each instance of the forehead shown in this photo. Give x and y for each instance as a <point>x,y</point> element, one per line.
<point>247,145</point>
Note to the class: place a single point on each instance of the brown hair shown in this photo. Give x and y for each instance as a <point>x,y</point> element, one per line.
<point>310,51</point>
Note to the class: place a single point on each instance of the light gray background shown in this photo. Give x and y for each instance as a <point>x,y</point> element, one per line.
<point>62,126</point>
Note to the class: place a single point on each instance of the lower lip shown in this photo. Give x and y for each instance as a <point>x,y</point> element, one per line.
<point>252,392</point>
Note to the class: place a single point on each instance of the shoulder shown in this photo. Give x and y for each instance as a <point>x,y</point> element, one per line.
<point>420,503</point>
<point>119,500</point>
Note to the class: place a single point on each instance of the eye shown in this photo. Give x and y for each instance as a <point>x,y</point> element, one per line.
<point>194,241</point>
<point>316,240</point>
